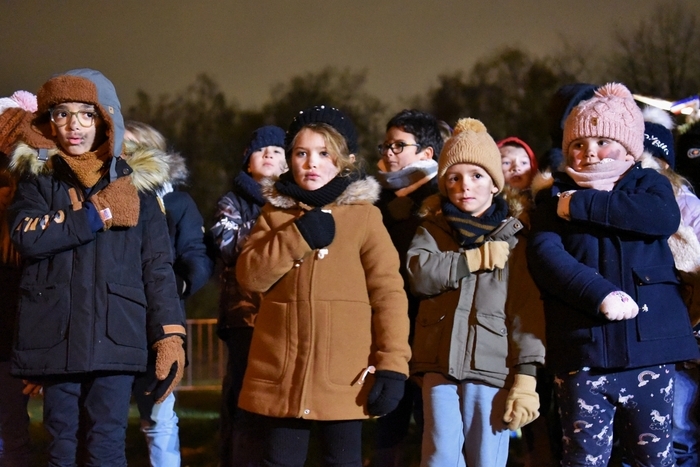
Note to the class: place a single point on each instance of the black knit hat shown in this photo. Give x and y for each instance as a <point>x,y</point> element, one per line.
<point>323,114</point>
<point>263,137</point>
<point>658,141</point>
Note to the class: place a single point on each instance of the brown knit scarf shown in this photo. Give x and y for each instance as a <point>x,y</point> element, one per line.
<point>90,166</point>
<point>602,176</point>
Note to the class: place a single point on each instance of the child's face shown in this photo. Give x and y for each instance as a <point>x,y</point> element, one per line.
<point>408,155</point>
<point>267,162</point>
<point>312,165</point>
<point>69,120</point>
<point>470,188</point>
<point>586,152</point>
<point>516,166</point>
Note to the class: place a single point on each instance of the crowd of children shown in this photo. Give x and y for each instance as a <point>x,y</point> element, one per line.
<point>426,292</point>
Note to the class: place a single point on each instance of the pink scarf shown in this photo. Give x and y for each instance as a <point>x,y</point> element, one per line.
<point>602,176</point>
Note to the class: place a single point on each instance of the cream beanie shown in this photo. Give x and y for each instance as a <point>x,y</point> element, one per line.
<point>470,144</point>
<point>610,113</point>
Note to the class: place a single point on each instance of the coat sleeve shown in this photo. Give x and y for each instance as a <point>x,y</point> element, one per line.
<point>269,253</point>
<point>39,228</point>
<point>390,323</point>
<point>555,271</point>
<point>165,316</point>
<point>231,228</point>
<point>648,209</point>
<point>192,263</point>
<point>432,271</point>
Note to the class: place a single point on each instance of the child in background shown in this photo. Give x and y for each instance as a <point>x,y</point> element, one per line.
<point>518,163</point>
<point>476,350</point>
<point>331,335</point>
<point>192,269</point>
<point>237,212</point>
<point>615,319</point>
<point>407,172</point>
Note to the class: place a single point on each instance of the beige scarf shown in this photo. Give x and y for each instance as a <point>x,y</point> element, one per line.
<point>602,176</point>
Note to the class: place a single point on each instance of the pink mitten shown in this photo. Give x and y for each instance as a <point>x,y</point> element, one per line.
<point>618,306</point>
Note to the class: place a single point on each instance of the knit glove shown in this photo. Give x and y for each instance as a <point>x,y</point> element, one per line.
<point>317,227</point>
<point>618,305</point>
<point>487,257</point>
<point>170,366</point>
<point>386,392</point>
<point>523,402</point>
<point>563,204</point>
<point>118,203</point>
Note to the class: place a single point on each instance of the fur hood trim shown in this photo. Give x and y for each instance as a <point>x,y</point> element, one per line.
<point>149,171</point>
<point>541,181</point>
<point>363,191</point>
<point>177,167</point>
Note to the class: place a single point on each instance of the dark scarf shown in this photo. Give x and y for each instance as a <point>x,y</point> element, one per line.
<point>470,231</point>
<point>245,186</point>
<point>316,198</point>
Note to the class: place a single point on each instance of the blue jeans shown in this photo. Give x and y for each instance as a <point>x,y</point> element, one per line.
<point>15,446</point>
<point>686,416</point>
<point>159,425</point>
<point>463,423</point>
<point>92,410</point>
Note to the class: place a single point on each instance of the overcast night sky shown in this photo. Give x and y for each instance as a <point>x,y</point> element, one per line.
<point>247,46</point>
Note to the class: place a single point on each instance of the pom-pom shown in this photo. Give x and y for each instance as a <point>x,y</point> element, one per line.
<point>465,124</point>
<point>614,90</point>
<point>26,100</point>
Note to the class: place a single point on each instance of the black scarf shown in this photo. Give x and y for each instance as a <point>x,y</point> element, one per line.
<point>471,231</point>
<point>245,186</point>
<point>319,197</point>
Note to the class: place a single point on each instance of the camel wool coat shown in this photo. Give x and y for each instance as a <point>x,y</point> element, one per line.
<point>326,315</point>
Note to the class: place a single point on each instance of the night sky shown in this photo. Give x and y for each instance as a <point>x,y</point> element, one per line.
<point>247,46</point>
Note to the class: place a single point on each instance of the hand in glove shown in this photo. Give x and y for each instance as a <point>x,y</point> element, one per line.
<point>563,204</point>
<point>317,228</point>
<point>170,366</point>
<point>618,305</point>
<point>523,403</point>
<point>386,392</point>
<point>118,203</point>
<point>487,257</point>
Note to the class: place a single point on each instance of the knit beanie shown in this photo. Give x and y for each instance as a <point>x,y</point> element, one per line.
<point>515,141</point>
<point>263,137</point>
<point>471,144</point>
<point>611,113</point>
<point>658,141</point>
<point>323,114</point>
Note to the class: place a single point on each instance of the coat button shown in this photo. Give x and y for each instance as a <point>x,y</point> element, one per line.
<point>307,412</point>
<point>125,171</point>
<point>503,331</point>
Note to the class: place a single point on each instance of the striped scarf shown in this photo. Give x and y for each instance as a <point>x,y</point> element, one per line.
<point>470,231</point>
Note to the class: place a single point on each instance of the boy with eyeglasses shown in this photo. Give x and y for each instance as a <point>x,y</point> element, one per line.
<point>97,289</point>
<point>407,171</point>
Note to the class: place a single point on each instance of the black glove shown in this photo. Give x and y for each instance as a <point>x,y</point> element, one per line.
<point>317,228</point>
<point>386,392</point>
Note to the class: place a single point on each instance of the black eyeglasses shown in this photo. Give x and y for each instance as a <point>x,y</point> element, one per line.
<point>396,148</point>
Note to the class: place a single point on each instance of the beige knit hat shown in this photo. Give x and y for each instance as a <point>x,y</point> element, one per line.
<point>470,144</point>
<point>610,113</point>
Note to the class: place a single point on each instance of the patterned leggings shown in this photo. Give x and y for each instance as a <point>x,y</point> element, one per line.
<point>642,401</point>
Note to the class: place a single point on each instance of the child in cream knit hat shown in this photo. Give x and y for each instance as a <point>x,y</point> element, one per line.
<point>616,322</point>
<point>475,350</point>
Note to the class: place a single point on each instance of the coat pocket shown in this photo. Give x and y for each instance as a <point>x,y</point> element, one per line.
<point>126,315</point>
<point>662,312</point>
<point>270,347</point>
<point>43,316</point>
<point>491,347</point>
<point>430,325</point>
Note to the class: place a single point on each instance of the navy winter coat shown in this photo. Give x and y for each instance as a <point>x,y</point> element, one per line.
<point>615,240</point>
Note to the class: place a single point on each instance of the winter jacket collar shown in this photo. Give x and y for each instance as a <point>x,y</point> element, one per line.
<point>363,191</point>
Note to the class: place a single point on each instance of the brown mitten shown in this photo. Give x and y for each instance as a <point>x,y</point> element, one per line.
<point>523,403</point>
<point>118,203</point>
<point>13,124</point>
<point>170,366</point>
<point>487,257</point>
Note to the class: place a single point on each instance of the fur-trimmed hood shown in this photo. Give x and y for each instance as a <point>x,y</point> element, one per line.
<point>363,191</point>
<point>150,171</point>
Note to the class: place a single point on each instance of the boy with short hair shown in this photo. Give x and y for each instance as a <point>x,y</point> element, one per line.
<point>98,288</point>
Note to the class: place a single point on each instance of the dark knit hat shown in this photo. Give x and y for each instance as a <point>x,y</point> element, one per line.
<point>658,141</point>
<point>564,100</point>
<point>263,137</point>
<point>323,114</point>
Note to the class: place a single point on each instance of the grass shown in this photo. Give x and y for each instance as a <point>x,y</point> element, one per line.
<point>198,412</point>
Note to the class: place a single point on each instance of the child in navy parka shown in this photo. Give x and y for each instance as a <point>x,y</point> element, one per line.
<point>615,318</point>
